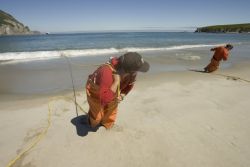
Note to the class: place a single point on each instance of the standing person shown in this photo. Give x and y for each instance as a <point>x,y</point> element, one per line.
<point>221,53</point>
<point>109,84</point>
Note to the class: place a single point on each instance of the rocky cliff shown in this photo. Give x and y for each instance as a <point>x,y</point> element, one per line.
<point>10,26</point>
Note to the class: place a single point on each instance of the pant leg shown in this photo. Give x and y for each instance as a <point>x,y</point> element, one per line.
<point>212,66</point>
<point>98,113</point>
<point>95,113</point>
<point>109,118</point>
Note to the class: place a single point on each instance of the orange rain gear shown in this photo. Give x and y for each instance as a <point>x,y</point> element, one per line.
<point>212,66</point>
<point>221,53</point>
<point>99,114</point>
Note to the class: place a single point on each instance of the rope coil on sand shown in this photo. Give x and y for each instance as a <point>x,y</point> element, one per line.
<point>44,132</point>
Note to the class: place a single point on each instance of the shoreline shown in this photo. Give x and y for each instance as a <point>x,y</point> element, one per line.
<point>235,68</point>
<point>52,76</point>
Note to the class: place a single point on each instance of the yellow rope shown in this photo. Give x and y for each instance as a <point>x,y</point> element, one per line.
<point>91,65</point>
<point>39,137</point>
<point>43,133</point>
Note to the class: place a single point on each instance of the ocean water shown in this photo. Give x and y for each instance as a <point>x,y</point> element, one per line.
<point>92,44</point>
<point>34,64</point>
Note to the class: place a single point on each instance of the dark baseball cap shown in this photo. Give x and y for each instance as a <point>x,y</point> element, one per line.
<point>229,46</point>
<point>132,61</point>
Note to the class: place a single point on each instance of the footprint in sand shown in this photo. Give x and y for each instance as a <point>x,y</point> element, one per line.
<point>148,100</point>
<point>137,134</point>
<point>152,112</point>
<point>233,78</point>
<point>117,128</point>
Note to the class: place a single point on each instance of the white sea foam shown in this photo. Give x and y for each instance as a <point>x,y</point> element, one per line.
<point>168,48</point>
<point>191,58</point>
<point>42,55</point>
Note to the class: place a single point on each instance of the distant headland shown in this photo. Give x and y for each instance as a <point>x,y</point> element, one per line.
<point>230,28</point>
<point>10,26</point>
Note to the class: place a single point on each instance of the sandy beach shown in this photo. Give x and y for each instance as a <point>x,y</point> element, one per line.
<point>175,114</point>
<point>177,119</point>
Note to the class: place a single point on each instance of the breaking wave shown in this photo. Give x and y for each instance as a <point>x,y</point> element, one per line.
<point>43,55</point>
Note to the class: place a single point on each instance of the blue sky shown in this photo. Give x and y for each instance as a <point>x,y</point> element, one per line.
<point>104,15</point>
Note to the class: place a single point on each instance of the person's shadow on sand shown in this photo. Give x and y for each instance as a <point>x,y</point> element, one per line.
<point>82,126</point>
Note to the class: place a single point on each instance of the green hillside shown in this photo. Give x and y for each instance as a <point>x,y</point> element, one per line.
<point>230,28</point>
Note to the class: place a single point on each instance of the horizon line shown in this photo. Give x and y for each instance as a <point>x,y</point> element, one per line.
<point>103,31</point>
